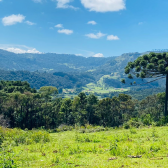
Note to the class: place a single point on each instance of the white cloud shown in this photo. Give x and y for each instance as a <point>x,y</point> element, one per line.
<point>12,19</point>
<point>98,55</point>
<point>19,49</point>
<point>112,37</point>
<point>30,23</point>
<point>59,26</point>
<point>64,4</point>
<point>95,36</point>
<point>104,5</point>
<point>92,22</point>
<point>65,31</point>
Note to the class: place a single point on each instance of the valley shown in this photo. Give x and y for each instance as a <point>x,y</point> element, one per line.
<point>71,73</point>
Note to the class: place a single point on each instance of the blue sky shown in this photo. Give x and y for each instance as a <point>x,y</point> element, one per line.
<point>83,27</point>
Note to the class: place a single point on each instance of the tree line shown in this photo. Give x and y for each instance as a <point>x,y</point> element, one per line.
<point>24,107</point>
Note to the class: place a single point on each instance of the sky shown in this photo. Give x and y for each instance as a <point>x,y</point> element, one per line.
<point>99,28</point>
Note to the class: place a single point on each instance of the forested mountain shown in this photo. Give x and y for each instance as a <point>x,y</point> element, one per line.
<point>64,62</point>
<point>117,64</point>
<point>39,79</point>
<point>67,71</point>
<point>49,62</point>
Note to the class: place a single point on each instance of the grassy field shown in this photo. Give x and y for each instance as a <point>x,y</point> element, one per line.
<point>93,88</point>
<point>114,148</point>
<point>96,88</point>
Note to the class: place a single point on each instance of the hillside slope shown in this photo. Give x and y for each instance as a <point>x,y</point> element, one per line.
<point>76,71</point>
<point>48,62</point>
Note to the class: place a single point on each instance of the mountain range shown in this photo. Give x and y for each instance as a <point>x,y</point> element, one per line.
<point>66,71</point>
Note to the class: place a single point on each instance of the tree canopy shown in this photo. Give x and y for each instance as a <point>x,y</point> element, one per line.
<point>152,65</point>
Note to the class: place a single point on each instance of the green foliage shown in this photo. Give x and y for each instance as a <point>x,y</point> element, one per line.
<point>90,129</point>
<point>111,148</point>
<point>17,136</point>
<point>146,57</point>
<point>86,138</point>
<point>133,122</point>
<point>130,76</point>
<point>147,119</point>
<point>41,109</point>
<point>48,90</point>
<point>149,65</point>
<point>40,79</point>
<point>142,75</point>
<point>7,159</point>
<point>63,128</point>
<point>127,70</point>
<point>123,81</point>
<point>15,86</point>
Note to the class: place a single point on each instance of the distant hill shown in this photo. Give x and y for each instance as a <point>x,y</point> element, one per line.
<point>116,65</point>
<point>67,71</point>
<point>39,79</point>
<point>49,62</point>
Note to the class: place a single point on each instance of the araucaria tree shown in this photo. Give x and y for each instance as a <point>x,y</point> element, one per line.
<point>152,65</point>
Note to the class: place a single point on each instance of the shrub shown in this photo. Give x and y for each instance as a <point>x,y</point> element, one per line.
<point>7,159</point>
<point>133,131</point>
<point>40,136</point>
<point>133,122</point>
<point>63,128</point>
<point>155,147</point>
<point>147,119</point>
<point>90,128</point>
<point>19,136</point>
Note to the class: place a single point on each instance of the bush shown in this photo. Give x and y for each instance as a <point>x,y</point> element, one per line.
<point>90,129</point>
<point>63,128</point>
<point>7,159</point>
<point>162,121</point>
<point>40,136</point>
<point>19,136</point>
<point>126,125</point>
<point>133,122</point>
<point>133,131</point>
<point>147,119</point>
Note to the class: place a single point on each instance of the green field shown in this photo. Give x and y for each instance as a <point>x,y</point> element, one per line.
<point>93,88</point>
<point>112,148</point>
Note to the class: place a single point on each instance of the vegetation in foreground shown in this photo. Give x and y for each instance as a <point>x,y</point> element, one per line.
<point>85,147</point>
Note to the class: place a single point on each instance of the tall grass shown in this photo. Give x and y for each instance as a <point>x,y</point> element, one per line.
<point>9,138</point>
<point>143,147</point>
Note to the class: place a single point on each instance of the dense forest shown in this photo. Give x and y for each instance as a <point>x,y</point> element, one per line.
<point>37,103</point>
<point>67,71</point>
<point>57,79</point>
<point>24,107</point>
<point>49,62</point>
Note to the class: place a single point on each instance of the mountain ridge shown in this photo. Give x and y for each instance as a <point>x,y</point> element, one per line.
<point>77,71</point>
